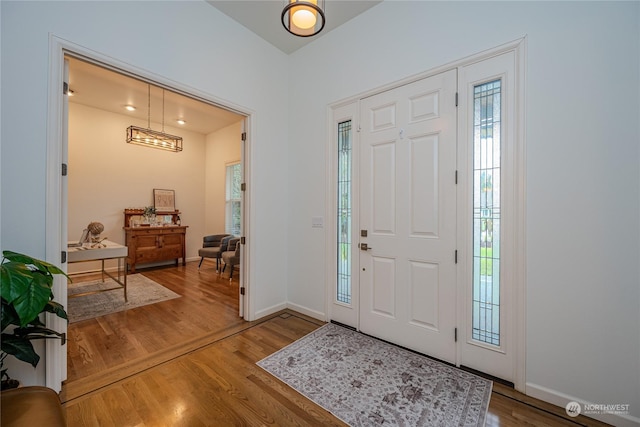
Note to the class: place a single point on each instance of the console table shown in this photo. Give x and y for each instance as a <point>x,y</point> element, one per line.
<point>106,250</point>
<point>153,244</point>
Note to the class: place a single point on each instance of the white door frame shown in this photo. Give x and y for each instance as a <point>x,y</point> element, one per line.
<point>55,237</point>
<point>518,269</point>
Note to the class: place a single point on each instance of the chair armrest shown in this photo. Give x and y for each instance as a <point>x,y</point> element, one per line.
<point>32,406</point>
<point>234,245</point>
<point>224,243</point>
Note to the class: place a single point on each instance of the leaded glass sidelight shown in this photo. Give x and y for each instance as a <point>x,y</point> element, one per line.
<point>486,213</point>
<point>344,212</point>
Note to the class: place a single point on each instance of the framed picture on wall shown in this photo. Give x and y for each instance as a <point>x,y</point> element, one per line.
<point>164,200</point>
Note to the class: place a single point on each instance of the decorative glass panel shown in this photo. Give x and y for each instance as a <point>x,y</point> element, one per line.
<point>486,213</point>
<point>344,212</point>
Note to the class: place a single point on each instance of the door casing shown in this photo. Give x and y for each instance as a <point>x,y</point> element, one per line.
<point>56,236</point>
<point>517,269</point>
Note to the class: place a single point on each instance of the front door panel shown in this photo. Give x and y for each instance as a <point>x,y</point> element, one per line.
<point>408,207</point>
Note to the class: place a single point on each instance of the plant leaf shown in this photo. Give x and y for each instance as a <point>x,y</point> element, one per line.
<point>57,309</point>
<point>15,278</point>
<point>20,348</point>
<point>33,298</point>
<point>9,315</point>
<point>39,264</point>
<point>34,332</point>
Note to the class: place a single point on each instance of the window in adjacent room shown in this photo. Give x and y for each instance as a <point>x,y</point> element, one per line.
<point>233,206</point>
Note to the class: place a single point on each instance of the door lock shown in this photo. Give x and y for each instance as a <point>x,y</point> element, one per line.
<point>365,247</point>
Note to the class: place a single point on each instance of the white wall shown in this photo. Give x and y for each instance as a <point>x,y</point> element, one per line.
<point>107,175</point>
<point>223,147</point>
<point>583,194</point>
<point>205,50</point>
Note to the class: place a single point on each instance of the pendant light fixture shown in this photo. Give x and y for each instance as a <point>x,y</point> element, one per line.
<point>152,138</point>
<point>303,18</point>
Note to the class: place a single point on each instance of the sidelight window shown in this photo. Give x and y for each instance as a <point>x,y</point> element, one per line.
<point>344,212</point>
<point>486,213</point>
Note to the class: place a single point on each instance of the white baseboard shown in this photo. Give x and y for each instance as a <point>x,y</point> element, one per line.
<point>560,399</point>
<point>307,311</point>
<point>299,308</point>
<point>270,310</point>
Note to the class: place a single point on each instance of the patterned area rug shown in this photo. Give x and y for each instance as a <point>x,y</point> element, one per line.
<point>367,382</point>
<point>140,291</point>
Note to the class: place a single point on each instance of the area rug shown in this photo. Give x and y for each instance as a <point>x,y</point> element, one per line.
<point>367,382</point>
<point>140,291</point>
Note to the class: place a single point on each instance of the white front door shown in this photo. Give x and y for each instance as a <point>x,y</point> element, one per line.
<point>408,215</point>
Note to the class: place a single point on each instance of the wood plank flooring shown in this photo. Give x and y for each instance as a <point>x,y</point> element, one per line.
<point>208,304</point>
<point>191,362</point>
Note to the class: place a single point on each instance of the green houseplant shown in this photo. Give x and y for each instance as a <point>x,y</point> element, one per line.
<point>149,214</point>
<point>25,287</point>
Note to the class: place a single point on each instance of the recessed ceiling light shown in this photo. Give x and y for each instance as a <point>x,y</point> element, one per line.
<point>181,121</point>
<point>130,107</point>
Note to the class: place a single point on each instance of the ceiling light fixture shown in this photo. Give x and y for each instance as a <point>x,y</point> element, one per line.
<point>130,108</point>
<point>181,121</point>
<point>152,138</point>
<point>303,18</point>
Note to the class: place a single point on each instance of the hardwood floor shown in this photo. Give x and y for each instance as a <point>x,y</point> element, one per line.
<point>191,362</point>
<point>104,349</point>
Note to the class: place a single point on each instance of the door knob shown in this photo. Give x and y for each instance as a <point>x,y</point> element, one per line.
<point>365,247</point>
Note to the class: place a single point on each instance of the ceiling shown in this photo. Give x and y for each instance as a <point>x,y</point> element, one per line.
<point>263,17</point>
<point>108,90</point>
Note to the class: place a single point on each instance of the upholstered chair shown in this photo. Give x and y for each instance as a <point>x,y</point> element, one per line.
<point>212,247</point>
<point>231,257</point>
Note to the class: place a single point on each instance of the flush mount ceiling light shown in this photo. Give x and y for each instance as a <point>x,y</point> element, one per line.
<point>152,138</point>
<point>303,18</point>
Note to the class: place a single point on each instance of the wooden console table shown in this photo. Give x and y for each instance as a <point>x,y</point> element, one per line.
<point>153,244</point>
<point>110,250</point>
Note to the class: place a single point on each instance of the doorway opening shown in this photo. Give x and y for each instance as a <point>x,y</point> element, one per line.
<point>94,133</point>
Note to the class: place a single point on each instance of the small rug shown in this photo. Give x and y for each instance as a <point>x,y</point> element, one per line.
<point>368,382</point>
<point>140,291</point>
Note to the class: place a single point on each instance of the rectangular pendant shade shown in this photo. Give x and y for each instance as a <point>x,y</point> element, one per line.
<point>151,138</point>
